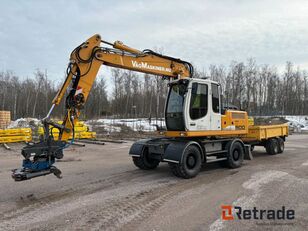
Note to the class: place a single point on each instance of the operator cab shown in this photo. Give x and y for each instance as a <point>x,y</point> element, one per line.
<point>193,105</point>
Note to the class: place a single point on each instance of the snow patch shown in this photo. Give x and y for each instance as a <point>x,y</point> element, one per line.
<point>305,164</point>
<point>262,178</point>
<point>138,124</point>
<point>24,123</point>
<point>298,122</point>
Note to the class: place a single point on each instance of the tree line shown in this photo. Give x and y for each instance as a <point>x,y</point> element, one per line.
<point>258,89</point>
<point>32,97</point>
<point>262,90</point>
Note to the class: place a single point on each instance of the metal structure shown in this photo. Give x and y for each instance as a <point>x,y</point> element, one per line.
<point>198,126</point>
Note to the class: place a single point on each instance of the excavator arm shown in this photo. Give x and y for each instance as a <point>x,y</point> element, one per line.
<point>85,62</point>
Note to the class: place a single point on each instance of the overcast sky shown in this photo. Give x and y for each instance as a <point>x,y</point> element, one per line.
<point>41,34</point>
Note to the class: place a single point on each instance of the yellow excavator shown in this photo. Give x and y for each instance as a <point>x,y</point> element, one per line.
<point>199,128</point>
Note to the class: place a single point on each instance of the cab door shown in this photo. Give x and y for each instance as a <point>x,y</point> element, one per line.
<point>215,109</point>
<point>197,107</point>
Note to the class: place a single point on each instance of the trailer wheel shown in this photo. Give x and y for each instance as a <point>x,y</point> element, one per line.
<point>235,155</point>
<point>271,146</point>
<point>280,145</point>
<point>190,165</point>
<point>145,162</point>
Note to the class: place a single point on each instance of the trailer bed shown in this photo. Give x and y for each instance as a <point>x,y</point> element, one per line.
<point>262,133</point>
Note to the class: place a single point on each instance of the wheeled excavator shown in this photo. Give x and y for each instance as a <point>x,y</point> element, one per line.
<point>198,128</point>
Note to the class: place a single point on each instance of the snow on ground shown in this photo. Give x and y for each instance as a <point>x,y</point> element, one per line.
<point>109,125</point>
<point>298,121</point>
<point>24,123</point>
<point>138,124</point>
<point>142,124</point>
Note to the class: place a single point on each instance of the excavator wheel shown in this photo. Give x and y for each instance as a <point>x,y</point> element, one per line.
<point>235,155</point>
<point>190,165</point>
<point>272,146</point>
<point>145,162</point>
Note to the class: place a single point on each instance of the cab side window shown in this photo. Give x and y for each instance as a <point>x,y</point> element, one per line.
<point>199,101</point>
<point>215,98</point>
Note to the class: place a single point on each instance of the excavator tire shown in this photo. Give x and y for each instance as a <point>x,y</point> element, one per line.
<point>145,162</point>
<point>190,165</point>
<point>235,155</point>
<point>272,147</point>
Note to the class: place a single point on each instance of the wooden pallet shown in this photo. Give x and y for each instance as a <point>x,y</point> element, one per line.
<point>5,119</point>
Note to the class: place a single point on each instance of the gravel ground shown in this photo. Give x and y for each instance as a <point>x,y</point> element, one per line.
<point>102,190</point>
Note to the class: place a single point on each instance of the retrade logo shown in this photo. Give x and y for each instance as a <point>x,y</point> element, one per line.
<point>229,212</point>
<point>226,212</point>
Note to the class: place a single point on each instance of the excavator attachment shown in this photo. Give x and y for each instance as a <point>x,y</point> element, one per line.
<point>40,157</point>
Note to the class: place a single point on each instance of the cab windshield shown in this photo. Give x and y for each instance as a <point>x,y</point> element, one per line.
<point>174,109</point>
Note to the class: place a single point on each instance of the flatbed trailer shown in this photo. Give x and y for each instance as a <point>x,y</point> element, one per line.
<point>265,132</point>
<point>272,137</point>
<point>182,153</point>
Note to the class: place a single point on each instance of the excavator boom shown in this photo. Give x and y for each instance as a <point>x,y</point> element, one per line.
<point>86,60</point>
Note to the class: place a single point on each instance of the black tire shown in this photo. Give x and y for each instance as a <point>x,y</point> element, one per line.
<point>235,155</point>
<point>190,165</point>
<point>280,145</point>
<point>252,147</point>
<point>271,146</point>
<point>145,162</point>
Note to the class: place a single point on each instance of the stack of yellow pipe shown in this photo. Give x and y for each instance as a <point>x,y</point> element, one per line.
<point>15,135</point>
<point>81,131</point>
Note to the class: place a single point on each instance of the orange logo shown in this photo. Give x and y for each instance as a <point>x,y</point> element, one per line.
<point>226,212</point>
